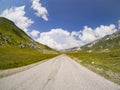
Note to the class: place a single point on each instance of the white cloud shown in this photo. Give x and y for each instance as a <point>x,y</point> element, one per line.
<point>62,39</point>
<point>105,30</point>
<point>17,15</point>
<point>34,33</point>
<point>40,10</point>
<point>88,34</point>
<point>58,39</point>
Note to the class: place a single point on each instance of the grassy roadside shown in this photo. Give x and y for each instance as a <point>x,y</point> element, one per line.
<point>12,57</point>
<point>106,64</point>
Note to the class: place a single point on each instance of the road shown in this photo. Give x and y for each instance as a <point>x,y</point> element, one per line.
<point>59,73</point>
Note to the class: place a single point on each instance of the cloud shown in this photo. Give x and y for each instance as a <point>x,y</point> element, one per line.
<point>88,34</point>
<point>17,15</point>
<point>62,39</point>
<point>40,10</point>
<point>58,39</point>
<point>34,33</point>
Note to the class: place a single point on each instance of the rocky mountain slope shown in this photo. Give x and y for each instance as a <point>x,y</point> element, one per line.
<point>109,42</point>
<point>12,36</point>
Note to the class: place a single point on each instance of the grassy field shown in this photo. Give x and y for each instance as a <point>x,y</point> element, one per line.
<point>106,64</point>
<point>13,57</point>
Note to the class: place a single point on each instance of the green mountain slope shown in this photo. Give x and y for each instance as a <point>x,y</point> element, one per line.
<point>109,42</point>
<point>11,35</point>
<point>101,56</point>
<point>18,49</point>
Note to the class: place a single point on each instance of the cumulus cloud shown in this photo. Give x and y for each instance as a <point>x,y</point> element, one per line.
<point>88,34</point>
<point>34,33</point>
<point>62,39</point>
<point>40,10</point>
<point>17,15</point>
<point>58,39</point>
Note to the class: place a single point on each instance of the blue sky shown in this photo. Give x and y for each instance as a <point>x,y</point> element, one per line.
<point>69,19</point>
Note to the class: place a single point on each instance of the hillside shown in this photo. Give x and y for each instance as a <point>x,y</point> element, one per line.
<point>109,42</point>
<point>18,49</point>
<point>101,56</point>
<point>11,35</point>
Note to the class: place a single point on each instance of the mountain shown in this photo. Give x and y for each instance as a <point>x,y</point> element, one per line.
<point>71,49</point>
<point>18,49</point>
<point>101,56</point>
<point>109,42</point>
<point>11,35</point>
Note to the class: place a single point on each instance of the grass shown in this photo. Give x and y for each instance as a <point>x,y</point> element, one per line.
<point>106,64</point>
<point>9,28</point>
<point>18,49</point>
<point>13,57</point>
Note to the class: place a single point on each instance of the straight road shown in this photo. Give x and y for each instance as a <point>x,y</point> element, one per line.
<point>59,73</point>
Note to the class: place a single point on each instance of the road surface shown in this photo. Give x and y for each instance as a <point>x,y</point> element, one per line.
<point>60,73</point>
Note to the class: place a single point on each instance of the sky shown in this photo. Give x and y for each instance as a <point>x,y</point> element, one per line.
<point>63,24</point>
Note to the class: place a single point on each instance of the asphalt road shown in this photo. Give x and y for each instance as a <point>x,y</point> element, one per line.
<point>60,73</point>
